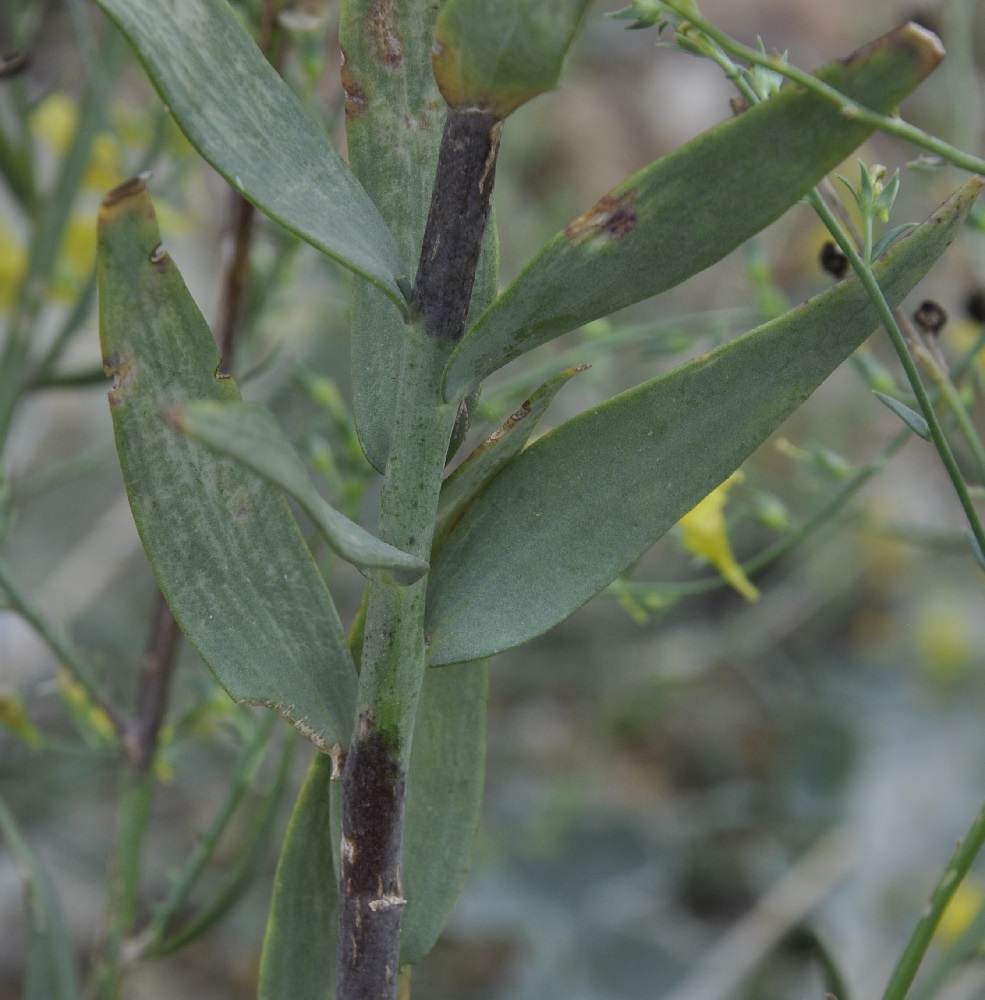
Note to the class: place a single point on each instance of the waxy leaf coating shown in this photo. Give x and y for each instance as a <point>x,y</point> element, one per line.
<point>585,501</point>
<point>248,123</point>
<point>223,544</point>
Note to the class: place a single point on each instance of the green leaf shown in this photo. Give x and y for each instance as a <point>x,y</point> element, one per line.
<point>248,433</point>
<point>496,452</point>
<point>444,797</point>
<point>223,544</point>
<point>689,209</point>
<point>245,120</point>
<point>586,500</point>
<point>300,945</point>
<point>494,55</point>
<point>915,421</point>
<point>50,963</point>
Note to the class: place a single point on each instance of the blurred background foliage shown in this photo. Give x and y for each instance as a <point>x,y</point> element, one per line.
<point>693,790</point>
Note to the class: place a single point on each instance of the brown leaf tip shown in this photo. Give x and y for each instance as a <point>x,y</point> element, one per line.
<point>132,188</point>
<point>611,216</point>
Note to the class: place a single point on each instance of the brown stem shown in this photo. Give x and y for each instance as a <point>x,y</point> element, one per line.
<point>371,898</point>
<point>140,740</point>
<point>236,284</point>
<point>456,221</point>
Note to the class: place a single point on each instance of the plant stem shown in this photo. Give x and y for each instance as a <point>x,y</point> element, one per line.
<point>868,280</point>
<point>892,124</point>
<point>374,775</point>
<point>909,962</point>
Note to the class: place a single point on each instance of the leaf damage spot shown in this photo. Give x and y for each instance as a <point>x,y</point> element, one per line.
<point>355,97</point>
<point>122,368</point>
<point>384,35</point>
<point>159,255</point>
<point>610,217</point>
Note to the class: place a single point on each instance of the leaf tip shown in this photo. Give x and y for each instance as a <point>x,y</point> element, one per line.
<point>126,196</point>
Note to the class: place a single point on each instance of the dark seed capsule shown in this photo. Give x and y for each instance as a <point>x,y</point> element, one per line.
<point>930,316</point>
<point>975,306</point>
<point>833,260</point>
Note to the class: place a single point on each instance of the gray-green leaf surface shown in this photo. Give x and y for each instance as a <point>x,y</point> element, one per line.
<point>495,55</point>
<point>245,120</point>
<point>223,544</point>
<point>691,208</point>
<point>248,433</point>
<point>583,502</point>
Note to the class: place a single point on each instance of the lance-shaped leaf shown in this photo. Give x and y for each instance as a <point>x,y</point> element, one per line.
<point>50,971</point>
<point>248,123</point>
<point>586,500</point>
<point>493,454</point>
<point>691,208</point>
<point>249,433</point>
<point>494,55</point>
<point>299,947</point>
<point>444,796</point>
<point>394,119</point>
<point>223,544</point>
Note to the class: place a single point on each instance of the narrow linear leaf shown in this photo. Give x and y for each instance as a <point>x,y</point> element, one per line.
<point>223,544</point>
<point>248,433</point>
<point>493,454</point>
<point>248,123</point>
<point>300,945</point>
<point>495,55</point>
<point>50,963</point>
<point>691,208</point>
<point>587,499</point>
<point>394,119</point>
<point>915,421</point>
<point>444,799</point>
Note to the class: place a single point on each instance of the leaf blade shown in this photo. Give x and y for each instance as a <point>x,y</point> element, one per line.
<point>245,120</point>
<point>496,55</point>
<point>299,947</point>
<point>679,215</point>
<point>248,433</point>
<point>587,499</point>
<point>444,799</point>
<point>223,545</point>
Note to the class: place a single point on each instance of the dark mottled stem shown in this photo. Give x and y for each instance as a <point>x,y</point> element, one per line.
<point>140,741</point>
<point>236,284</point>
<point>374,777</point>
<point>457,221</point>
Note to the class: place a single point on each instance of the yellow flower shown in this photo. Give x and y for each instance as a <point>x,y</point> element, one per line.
<point>963,908</point>
<point>13,263</point>
<point>705,534</point>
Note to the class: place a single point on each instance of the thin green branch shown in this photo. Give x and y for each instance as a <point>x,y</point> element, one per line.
<point>868,280</point>
<point>59,645</point>
<point>892,124</point>
<point>913,954</point>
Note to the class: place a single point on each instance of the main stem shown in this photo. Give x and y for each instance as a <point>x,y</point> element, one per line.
<point>374,776</point>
